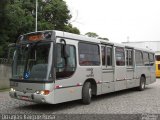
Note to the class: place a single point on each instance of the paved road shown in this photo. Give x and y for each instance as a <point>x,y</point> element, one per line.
<point>122,102</point>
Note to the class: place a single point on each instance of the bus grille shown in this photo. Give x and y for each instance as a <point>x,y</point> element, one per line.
<point>158,66</point>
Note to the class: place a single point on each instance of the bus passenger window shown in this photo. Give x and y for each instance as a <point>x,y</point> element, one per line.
<point>109,56</point>
<point>88,54</point>
<point>120,57</point>
<point>146,58</point>
<point>103,55</point>
<point>151,59</point>
<point>139,58</point>
<point>65,67</point>
<point>129,57</point>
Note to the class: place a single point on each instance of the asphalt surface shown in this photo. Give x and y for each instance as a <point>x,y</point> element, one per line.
<point>123,102</point>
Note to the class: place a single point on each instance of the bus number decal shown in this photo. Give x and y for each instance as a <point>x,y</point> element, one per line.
<point>91,74</point>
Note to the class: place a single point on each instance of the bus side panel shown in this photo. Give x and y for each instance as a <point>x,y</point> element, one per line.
<point>67,94</point>
<point>130,80</point>
<point>153,73</point>
<point>108,87</point>
<point>120,85</point>
<point>147,73</point>
<point>137,74</point>
<point>131,83</point>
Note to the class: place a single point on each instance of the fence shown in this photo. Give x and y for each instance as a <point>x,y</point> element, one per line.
<point>5,61</point>
<point>5,72</point>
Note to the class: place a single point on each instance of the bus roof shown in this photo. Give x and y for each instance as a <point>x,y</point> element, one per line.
<point>63,34</point>
<point>95,40</point>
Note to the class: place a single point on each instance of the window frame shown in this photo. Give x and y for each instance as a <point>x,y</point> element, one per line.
<point>142,64</point>
<point>132,57</point>
<point>124,64</point>
<point>103,54</point>
<point>107,46</point>
<point>75,52</point>
<point>151,62</point>
<point>89,43</point>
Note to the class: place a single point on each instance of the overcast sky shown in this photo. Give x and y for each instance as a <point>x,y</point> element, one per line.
<point>118,20</point>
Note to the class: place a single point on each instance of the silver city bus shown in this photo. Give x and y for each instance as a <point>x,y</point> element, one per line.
<point>55,67</point>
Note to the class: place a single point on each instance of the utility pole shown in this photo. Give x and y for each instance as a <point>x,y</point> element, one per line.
<point>36,15</point>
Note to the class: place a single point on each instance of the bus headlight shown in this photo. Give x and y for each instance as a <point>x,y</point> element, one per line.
<point>43,92</point>
<point>13,90</point>
<point>37,92</point>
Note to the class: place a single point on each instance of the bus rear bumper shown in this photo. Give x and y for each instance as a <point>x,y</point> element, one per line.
<point>32,97</point>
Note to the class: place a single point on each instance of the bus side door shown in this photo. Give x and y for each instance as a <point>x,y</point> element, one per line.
<point>130,68</point>
<point>120,69</point>
<point>107,69</point>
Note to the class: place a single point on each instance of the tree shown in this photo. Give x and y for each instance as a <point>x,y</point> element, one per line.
<point>3,23</point>
<point>18,17</point>
<point>103,38</point>
<point>71,29</point>
<point>95,35</point>
<point>91,34</point>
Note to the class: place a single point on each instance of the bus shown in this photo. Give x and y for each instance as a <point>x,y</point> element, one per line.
<point>55,66</point>
<point>157,65</point>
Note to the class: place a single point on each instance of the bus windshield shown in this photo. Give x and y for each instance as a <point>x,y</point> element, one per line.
<point>33,61</point>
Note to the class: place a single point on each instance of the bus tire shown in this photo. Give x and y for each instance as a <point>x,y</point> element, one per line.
<point>86,93</point>
<point>142,83</point>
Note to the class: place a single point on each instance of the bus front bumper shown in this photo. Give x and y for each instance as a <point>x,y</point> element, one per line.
<point>32,97</point>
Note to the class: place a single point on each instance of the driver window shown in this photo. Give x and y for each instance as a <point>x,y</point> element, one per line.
<point>65,67</point>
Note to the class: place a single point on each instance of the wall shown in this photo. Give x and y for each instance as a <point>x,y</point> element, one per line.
<point>5,74</point>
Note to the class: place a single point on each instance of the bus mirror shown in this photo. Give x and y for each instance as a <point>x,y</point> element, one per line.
<point>65,51</point>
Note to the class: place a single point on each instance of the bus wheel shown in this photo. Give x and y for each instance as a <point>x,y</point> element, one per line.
<point>86,93</point>
<point>142,83</point>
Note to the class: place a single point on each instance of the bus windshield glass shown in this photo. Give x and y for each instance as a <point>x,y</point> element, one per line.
<point>33,61</point>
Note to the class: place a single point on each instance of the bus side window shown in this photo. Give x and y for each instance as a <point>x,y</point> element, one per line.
<point>109,56</point>
<point>151,59</point>
<point>146,58</point>
<point>139,58</point>
<point>103,55</point>
<point>89,54</point>
<point>68,67</point>
<point>120,57</point>
<point>129,57</point>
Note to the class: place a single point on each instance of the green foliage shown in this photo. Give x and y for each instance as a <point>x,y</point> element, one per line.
<point>103,38</point>
<point>71,29</point>
<point>18,17</point>
<point>95,35</point>
<point>91,34</point>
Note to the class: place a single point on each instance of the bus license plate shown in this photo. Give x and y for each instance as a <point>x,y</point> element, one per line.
<point>25,98</point>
